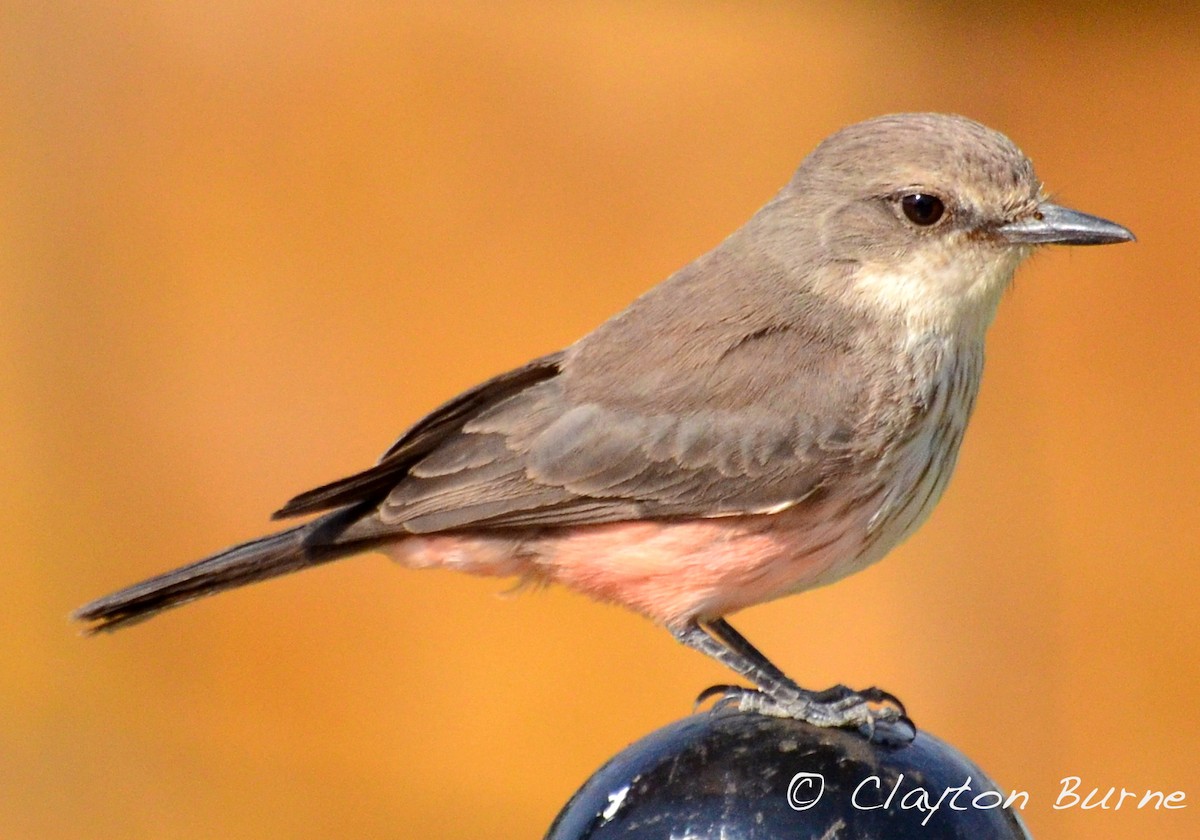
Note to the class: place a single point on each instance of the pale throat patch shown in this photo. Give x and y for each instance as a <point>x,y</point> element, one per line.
<point>952,287</point>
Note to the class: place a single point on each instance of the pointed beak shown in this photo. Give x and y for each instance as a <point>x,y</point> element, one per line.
<point>1051,224</point>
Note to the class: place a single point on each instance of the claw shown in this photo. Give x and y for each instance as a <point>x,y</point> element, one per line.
<point>834,707</point>
<point>878,695</point>
<point>713,691</point>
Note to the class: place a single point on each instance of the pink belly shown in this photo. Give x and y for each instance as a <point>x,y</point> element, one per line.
<point>669,571</point>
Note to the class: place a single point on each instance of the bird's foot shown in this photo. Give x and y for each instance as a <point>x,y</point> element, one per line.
<point>877,714</point>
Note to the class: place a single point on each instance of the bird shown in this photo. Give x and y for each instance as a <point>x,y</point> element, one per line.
<point>774,416</point>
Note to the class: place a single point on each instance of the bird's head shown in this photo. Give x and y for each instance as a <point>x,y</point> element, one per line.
<point>929,215</point>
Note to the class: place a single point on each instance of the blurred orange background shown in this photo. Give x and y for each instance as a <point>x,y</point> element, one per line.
<point>246,244</point>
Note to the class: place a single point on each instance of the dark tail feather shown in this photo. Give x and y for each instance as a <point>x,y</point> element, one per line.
<point>266,557</point>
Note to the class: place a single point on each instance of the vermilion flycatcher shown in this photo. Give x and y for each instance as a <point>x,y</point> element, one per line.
<point>774,416</point>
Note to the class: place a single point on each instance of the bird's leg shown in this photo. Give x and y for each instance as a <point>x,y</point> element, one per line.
<point>731,639</point>
<point>725,633</point>
<point>731,649</point>
<point>778,695</point>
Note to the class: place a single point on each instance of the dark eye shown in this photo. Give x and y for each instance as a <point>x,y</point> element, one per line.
<point>922,208</point>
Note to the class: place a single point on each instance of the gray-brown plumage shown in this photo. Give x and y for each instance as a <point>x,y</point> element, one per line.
<point>783,410</point>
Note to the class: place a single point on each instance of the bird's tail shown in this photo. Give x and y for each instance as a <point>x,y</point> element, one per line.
<point>249,562</point>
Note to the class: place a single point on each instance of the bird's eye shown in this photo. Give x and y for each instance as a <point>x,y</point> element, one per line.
<point>922,208</point>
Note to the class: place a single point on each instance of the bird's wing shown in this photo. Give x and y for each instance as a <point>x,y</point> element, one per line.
<point>535,459</point>
<point>521,451</point>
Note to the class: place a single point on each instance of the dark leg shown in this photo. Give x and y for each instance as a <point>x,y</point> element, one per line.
<point>723,632</point>
<point>780,696</point>
<point>748,662</point>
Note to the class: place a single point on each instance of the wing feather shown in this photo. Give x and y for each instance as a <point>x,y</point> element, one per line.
<point>591,464</point>
<point>532,449</point>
